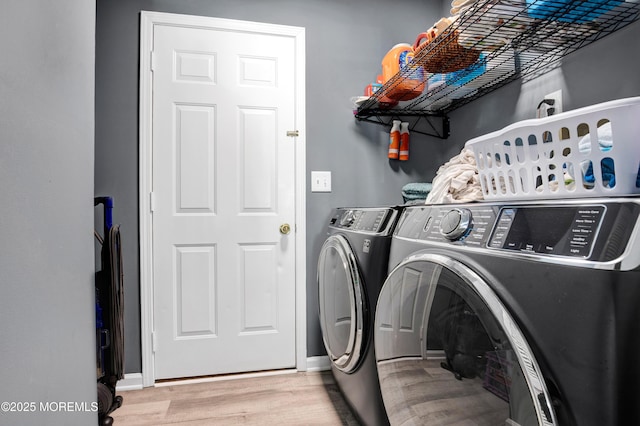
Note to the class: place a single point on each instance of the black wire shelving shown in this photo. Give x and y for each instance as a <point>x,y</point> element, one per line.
<point>518,39</point>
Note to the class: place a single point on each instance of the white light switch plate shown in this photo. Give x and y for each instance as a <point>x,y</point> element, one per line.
<point>320,181</point>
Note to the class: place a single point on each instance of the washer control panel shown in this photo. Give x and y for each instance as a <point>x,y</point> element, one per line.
<point>468,226</point>
<point>560,230</point>
<point>598,231</point>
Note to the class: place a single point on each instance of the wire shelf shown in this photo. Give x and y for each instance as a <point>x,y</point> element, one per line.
<point>516,39</point>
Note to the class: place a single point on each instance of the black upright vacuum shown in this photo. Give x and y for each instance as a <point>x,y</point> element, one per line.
<point>109,315</point>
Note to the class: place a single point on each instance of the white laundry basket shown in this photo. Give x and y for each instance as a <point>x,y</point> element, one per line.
<point>588,152</point>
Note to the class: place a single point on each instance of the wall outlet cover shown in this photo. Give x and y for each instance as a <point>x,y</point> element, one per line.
<point>557,104</point>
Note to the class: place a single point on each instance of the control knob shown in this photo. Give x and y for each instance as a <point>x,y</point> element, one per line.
<point>348,218</point>
<point>455,224</point>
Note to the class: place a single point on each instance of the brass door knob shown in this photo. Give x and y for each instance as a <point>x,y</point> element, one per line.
<point>285,228</point>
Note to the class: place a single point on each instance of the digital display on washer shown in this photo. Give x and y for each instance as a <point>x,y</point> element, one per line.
<point>558,230</point>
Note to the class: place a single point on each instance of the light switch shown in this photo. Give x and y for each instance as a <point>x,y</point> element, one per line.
<point>320,181</point>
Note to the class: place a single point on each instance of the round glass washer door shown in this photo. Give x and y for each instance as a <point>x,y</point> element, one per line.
<point>448,349</point>
<point>342,304</point>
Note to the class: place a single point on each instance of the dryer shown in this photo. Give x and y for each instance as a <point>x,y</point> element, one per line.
<point>512,314</point>
<point>352,266</point>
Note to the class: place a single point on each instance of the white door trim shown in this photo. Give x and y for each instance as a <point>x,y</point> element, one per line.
<point>148,21</point>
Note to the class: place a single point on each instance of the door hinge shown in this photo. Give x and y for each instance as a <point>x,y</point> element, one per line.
<point>154,342</point>
<point>152,202</point>
<point>293,133</point>
<point>153,61</point>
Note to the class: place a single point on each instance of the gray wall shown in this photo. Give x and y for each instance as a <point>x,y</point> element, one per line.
<point>345,44</point>
<point>47,331</point>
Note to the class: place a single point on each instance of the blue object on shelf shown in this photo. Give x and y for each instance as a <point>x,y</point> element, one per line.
<point>460,77</point>
<point>464,76</point>
<point>570,10</point>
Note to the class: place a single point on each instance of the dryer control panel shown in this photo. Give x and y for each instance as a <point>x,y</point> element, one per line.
<point>597,231</point>
<point>368,220</point>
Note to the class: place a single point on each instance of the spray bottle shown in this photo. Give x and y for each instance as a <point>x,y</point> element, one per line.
<point>404,141</point>
<point>394,140</point>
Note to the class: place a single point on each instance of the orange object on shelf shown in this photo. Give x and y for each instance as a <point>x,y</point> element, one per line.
<point>383,101</point>
<point>372,88</point>
<point>400,58</point>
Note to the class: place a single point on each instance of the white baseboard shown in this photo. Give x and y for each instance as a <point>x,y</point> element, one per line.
<point>318,363</point>
<point>224,377</point>
<point>131,381</point>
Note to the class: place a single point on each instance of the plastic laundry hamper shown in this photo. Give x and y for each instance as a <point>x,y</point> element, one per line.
<point>588,152</point>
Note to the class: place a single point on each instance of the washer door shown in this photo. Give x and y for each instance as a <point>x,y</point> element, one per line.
<point>447,349</point>
<point>342,304</point>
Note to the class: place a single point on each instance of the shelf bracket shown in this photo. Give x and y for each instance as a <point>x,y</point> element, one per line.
<point>436,125</point>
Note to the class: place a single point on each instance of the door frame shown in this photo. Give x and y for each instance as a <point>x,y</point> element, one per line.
<point>148,20</point>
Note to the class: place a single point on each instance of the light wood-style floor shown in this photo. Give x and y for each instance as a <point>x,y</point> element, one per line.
<point>419,392</point>
<point>282,399</point>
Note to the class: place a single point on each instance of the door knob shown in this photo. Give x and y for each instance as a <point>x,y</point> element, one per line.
<point>285,228</point>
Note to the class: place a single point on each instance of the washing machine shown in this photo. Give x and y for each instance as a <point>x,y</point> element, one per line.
<point>352,266</point>
<point>525,313</point>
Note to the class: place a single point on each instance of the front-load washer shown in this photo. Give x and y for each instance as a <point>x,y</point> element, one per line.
<point>352,266</point>
<point>512,314</point>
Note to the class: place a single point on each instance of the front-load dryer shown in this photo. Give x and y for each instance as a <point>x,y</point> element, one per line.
<point>351,269</point>
<point>512,314</point>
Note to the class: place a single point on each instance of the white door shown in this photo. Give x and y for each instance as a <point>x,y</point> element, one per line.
<point>223,184</point>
